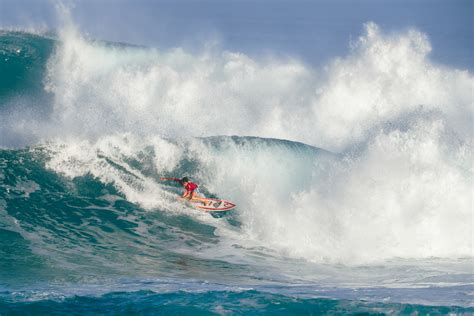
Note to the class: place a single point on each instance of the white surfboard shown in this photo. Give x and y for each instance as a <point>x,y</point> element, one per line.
<point>216,205</point>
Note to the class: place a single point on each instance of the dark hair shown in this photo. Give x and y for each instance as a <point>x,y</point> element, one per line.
<point>184,179</point>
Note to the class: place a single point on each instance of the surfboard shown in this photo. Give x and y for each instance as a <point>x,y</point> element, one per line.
<point>216,205</point>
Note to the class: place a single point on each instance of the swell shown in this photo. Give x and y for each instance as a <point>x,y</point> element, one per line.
<point>112,217</point>
<point>105,199</point>
<point>217,303</point>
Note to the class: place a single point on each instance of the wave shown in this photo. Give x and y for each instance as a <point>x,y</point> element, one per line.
<point>293,200</point>
<point>107,120</point>
<point>99,88</point>
<point>218,302</point>
<point>23,64</point>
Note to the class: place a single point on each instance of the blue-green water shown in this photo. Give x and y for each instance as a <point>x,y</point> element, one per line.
<point>86,227</point>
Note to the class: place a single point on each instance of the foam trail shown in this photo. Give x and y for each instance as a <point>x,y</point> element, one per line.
<point>107,161</point>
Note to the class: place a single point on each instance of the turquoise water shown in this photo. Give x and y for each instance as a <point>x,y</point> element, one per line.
<point>216,303</point>
<point>86,227</point>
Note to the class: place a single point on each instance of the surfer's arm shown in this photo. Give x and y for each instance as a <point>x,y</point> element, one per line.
<point>170,179</point>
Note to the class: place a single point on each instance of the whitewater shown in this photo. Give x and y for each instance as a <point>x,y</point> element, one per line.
<point>353,181</point>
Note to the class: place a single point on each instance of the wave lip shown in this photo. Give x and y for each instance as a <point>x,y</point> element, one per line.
<point>100,88</point>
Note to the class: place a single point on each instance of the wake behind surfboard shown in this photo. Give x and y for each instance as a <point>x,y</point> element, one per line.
<point>216,205</point>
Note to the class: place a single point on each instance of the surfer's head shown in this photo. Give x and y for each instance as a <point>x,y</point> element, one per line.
<point>184,180</point>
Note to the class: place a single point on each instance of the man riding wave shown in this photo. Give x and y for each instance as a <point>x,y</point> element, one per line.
<point>190,189</point>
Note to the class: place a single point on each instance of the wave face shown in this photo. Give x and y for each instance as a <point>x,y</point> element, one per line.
<point>89,127</point>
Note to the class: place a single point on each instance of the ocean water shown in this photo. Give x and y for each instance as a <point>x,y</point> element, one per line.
<point>353,182</point>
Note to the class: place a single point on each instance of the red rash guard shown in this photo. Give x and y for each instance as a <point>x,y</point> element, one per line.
<point>190,187</point>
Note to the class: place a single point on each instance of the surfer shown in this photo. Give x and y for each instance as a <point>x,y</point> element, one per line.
<point>190,189</point>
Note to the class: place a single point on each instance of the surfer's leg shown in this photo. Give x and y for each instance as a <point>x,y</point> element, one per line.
<point>204,201</point>
<point>196,197</point>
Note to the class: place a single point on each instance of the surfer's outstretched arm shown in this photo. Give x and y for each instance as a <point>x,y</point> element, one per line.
<point>170,179</point>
